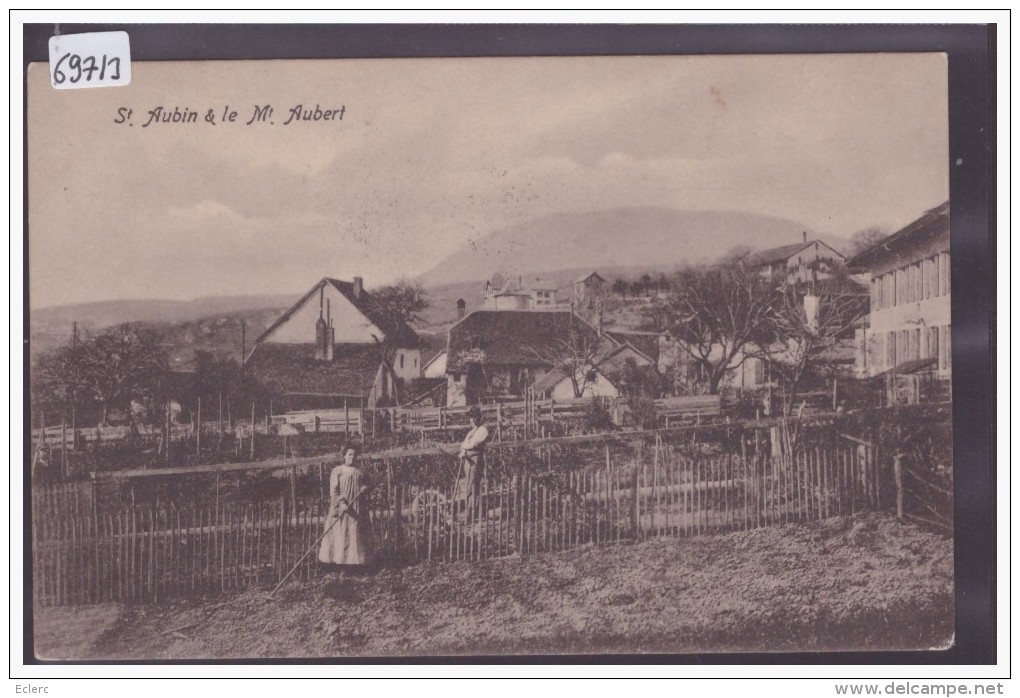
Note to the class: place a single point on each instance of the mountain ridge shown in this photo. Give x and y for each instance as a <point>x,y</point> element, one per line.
<point>632,236</point>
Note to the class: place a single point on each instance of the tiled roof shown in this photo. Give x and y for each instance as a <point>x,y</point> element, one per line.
<point>934,222</point>
<point>293,368</point>
<point>775,254</point>
<point>509,337</point>
<point>645,342</point>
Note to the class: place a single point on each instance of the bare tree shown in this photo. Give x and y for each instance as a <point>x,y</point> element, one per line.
<point>576,355</point>
<point>810,319</point>
<point>716,314</point>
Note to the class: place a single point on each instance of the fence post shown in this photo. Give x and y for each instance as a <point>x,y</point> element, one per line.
<point>898,471</point>
<point>636,510</point>
<point>63,447</point>
<point>251,455</point>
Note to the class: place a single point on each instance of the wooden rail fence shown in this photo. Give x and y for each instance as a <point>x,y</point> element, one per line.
<point>147,553</point>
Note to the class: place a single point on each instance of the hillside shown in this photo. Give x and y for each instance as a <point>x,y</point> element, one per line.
<point>443,298</point>
<point>625,242</point>
<point>623,237</point>
<point>219,334</point>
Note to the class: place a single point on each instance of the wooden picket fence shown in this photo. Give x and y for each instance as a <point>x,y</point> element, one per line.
<point>659,494</point>
<point>147,553</point>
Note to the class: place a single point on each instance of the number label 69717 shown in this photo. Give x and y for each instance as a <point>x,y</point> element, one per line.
<point>100,59</point>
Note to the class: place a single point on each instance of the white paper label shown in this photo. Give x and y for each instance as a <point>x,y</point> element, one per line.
<point>100,59</point>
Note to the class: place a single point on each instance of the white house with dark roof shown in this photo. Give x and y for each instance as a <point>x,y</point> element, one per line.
<point>808,260</point>
<point>334,347</point>
<point>517,293</point>
<point>500,354</point>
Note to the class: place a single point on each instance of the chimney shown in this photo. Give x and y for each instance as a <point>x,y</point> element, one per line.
<point>461,306</point>
<point>359,285</point>
<point>320,328</point>
<point>804,233</point>
<point>330,336</point>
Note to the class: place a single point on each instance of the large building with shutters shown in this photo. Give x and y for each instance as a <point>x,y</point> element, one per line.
<point>909,325</point>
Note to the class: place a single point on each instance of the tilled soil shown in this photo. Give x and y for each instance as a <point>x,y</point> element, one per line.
<point>862,583</point>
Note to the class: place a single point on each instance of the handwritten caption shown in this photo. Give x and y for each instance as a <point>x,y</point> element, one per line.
<point>99,59</point>
<point>259,115</point>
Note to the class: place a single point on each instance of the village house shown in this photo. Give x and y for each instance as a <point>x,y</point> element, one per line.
<point>589,292</point>
<point>514,294</point>
<point>797,263</point>
<point>335,348</point>
<point>495,355</point>
<point>616,370</point>
<point>908,329</point>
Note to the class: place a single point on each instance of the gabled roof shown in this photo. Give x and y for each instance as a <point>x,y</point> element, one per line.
<point>781,254</point>
<point>402,335</point>
<point>588,276</point>
<point>509,337</point>
<point>435,357</point>
<point>646,343</point>
<point>293,368</point>
<point>611,365</point>
<point>432,345</point>
<point>934,222</point>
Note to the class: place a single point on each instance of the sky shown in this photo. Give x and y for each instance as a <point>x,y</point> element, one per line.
<point>433,154</point>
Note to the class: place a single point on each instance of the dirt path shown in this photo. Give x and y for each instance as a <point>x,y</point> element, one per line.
<point>867,582</point>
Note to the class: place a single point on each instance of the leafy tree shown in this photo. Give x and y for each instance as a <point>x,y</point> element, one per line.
<point>402,303</point>
<point>716,314</point>
<point>863,239</point>
<point>621,287</point>
<point>645,283</point>
<point>398,306</point>
<point>737,253</point>
<point>112,366</point>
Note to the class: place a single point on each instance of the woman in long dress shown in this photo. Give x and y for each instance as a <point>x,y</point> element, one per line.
<point>348,542</point>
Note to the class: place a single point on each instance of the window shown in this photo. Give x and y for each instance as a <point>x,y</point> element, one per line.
<point>916,349</point>
<point>945,348</point>
<point>932,350</point>
<point>401,361</point>
<point>876,293</point>
<point>944,275</point>
<point>918,282</point>
<point>759,372</point>
<point>890,350</point>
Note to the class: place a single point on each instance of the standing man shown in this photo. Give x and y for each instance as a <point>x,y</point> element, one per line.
<point>472,458</point>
